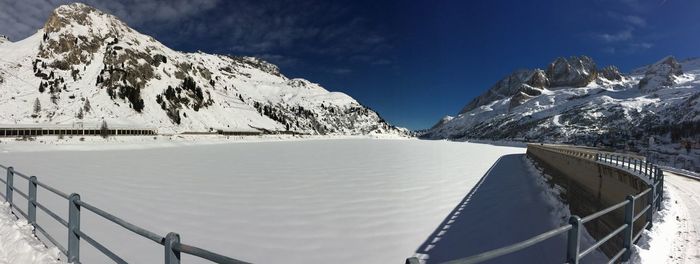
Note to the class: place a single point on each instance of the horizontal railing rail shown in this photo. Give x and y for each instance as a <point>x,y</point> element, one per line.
<point>652,175</point>
<point>171,242</point>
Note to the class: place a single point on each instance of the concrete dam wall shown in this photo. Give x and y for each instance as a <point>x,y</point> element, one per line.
<point>592,185</point>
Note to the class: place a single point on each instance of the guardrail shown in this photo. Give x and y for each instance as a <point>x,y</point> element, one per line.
<point>171,242</point>
<point>652,175</point>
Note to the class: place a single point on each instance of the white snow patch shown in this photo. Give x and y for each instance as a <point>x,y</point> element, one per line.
<point>658,244</point>
<point>18,243</point>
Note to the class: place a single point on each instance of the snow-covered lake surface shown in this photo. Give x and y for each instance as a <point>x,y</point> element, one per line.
<point>315,201</point>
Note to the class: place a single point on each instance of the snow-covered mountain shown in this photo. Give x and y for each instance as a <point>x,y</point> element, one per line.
<point>86,65</point>
<point>574,101</point>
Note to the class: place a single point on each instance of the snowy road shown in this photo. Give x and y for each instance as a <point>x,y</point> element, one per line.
<point>687,193</point>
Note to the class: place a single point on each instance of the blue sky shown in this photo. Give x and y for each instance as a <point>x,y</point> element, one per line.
<point>411,61</point>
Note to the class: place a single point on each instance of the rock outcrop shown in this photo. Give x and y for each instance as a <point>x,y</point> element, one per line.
<point>522,85</point>
<point>611,73</point>
<point>85,55</point>
<point>661,74</point>
<point>574,71</point>
<point>615,110</point>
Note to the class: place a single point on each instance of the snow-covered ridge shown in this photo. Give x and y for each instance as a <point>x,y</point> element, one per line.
<point>654,100</point>
<point>87,65</point>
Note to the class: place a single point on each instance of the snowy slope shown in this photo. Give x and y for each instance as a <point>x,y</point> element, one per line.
<point>577,102</point>
<point>85,66</point>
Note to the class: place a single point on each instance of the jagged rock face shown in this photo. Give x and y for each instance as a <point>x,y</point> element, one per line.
<point>610,111</point>
<point>661,74</point>
<point>525,93</point>
<point>4,39</point>
<point>571,72</point>
<point>509,86</point>
<point>83,55</point>
<point>563,72</point>
<point>611,73</point>
<point>538,79</point>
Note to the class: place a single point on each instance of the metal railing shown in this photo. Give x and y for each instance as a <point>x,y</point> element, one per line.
<point>171,242</point>
<point>637,166</point>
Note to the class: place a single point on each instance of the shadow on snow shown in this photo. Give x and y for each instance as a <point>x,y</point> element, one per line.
<point>505,207</point>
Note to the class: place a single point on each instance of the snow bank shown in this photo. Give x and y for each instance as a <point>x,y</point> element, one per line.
<point>660,244</point>
<point>18,243</point>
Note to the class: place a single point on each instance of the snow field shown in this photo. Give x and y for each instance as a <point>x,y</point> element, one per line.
<point>318,201</point>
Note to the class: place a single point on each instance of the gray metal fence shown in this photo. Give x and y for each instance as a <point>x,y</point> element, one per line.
<point>650,173</point>
<point>171,242</point>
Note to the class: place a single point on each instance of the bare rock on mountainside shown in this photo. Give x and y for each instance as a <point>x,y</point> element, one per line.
<point>133,80</point>
<point>610,110</point>
<point>4,39</point>
<point>661,74</point>
<point>611,73</point>
<point>509,86</point>
<point>575,71</point>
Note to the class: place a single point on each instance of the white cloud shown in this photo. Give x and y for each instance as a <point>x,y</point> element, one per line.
<point>617,36</point>
<point>635,20</point>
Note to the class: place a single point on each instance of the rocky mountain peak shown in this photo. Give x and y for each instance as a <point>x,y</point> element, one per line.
<point>611,73</point>
<point>85,55</point>
<point>76,13</point>
<point>74,33</point>
<point>575,71</point>
<point>538,79</point>
<point>661,74</point>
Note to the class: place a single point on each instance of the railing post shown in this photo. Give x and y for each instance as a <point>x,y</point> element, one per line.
<point>172,256</point>
<point>650,211</point>
<point>31,203</point>
<point>9,188</point>
<point>574,240</point>
<point>646,170</point>
<point>73,227</point>
<point>660,189</point>
<point>628,233</point>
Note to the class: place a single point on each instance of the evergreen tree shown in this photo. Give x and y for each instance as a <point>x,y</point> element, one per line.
<point>87,107</point>
<point>37,106</point>
<point>80,113</point>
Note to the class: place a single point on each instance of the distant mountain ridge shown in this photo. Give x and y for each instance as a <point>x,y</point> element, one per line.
<point>574,101</point>
<point>85,66</point>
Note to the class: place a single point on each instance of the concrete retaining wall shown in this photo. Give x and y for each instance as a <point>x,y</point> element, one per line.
<point>591,186</point>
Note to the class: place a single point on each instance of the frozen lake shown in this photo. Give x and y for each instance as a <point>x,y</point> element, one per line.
<point>316,201</point>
